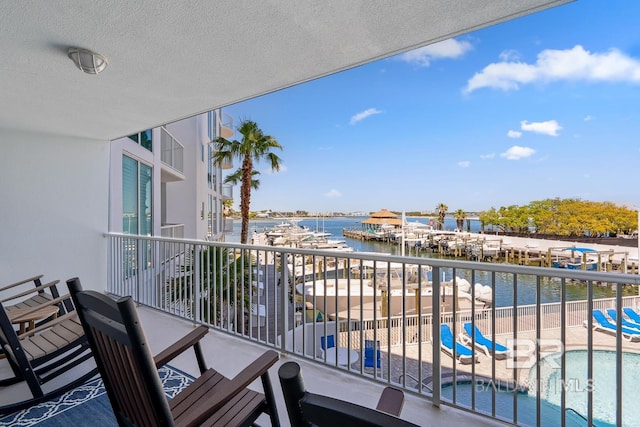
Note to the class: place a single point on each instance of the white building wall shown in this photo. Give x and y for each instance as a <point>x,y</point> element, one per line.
<point>54,200</point>
<point>185,199</point>
<point>181,202</point>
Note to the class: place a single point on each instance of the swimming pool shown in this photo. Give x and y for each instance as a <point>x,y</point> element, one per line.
<point>576,389</point>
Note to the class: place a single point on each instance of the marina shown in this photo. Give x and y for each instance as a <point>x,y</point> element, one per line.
<point>421,239</point>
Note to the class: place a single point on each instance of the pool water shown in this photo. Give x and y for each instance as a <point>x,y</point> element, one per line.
<point>576,389</point>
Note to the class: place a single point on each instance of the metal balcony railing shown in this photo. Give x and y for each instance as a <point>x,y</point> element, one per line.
<point>390,319</point>
<point>227,192</point>
<point>172,151</point>
<point>172,231</point>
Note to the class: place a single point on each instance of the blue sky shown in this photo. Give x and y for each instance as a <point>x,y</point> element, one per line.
<point>539,107</point>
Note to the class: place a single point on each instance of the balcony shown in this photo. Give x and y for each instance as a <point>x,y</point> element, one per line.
<point>227,192</point>
<point>226,125</point>
<point>172,157</point>
<point>172,231</point>
<point>404,306</point>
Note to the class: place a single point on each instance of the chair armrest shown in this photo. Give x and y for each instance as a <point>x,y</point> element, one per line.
<point>179,347</point>
<point>54,301</point>
<point>391,401</point>
<point>464,338</point>
<point>229,389</point>
<point>31,291</point>
<point>22,282</point>
<point>48,325</point>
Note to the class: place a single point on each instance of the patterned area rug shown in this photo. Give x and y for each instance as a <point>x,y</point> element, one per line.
<point>87,404</point>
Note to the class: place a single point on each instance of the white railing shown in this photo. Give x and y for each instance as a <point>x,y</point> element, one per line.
<point>172,151</point>
<point>227,192</point>
<point>172,231</point>
<point>380,329</point>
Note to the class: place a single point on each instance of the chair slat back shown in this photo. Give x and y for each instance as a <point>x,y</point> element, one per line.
<point>123,358</point>
<point>126,383</point>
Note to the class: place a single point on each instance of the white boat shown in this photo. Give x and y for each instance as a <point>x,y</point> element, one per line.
<point>485,250</point>
<point>356,297</point>
<point>290,234</point>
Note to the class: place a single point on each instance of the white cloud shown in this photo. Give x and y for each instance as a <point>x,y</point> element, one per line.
<point>550,127</point>
<point>588,118</point>
<point>333,193</point>
<point>450,48</point>
<point>516,153</point>
<point>509,55</point>
<point>487,156</point>
<point>514,134</point>
<point>553,65</point>
<point>464,164</point>
<point>363,115</point>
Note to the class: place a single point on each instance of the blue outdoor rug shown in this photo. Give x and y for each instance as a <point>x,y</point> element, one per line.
<point>87,405</point>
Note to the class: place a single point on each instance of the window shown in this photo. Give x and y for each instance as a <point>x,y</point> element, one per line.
<point>212,225</point>
<point>136,197</point>
<point>212,169</point>
<point>144,139</point>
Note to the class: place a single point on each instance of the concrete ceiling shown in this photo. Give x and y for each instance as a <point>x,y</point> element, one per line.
<point>171,59</point>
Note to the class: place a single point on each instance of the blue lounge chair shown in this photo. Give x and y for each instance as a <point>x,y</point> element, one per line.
<point>604,325</point>
<point>371,354</point>
<point>631,314</point>
<point>327,342</point>
<point>463,353</point>
<point>489,347</point>
<point>629,324</point>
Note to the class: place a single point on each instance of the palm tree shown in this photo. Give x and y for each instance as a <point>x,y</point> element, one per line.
<point>460,216</point>
<point>253,147</point>
<point>441,209</point>
<point>224,286</point>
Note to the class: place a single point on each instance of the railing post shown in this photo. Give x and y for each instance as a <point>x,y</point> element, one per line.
<point>435,310</point>
<point>196,283</point>
<point>139,267</point>
<point>284,298</point>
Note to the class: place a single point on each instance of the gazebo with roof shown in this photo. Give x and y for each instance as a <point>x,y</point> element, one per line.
<point>383,220</point>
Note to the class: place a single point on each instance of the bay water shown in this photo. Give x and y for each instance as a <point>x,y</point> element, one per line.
<point>503,293</point>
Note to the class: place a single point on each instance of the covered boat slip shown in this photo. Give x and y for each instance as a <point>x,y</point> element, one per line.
<point>579,258</point>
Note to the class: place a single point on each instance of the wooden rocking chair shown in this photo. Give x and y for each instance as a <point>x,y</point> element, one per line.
<point>25,298</point>
<point>309,409</point>
<point>131,380</point>
<point>43,353</point>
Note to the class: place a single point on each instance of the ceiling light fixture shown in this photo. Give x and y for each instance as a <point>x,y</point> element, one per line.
<point>87,61</point>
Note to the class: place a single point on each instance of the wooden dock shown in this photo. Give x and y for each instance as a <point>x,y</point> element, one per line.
<point>521,251</point>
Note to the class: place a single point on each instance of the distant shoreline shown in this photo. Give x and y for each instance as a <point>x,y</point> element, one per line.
<point>610,241</point>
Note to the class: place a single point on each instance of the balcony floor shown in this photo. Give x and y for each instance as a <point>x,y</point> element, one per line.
<point>229,354</point>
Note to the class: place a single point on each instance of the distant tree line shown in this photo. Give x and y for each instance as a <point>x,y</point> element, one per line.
<point>563,217</point>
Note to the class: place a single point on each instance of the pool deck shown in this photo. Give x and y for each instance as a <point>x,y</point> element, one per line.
<point>484,368</point>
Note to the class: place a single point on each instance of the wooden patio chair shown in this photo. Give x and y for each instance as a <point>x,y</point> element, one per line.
<point>309,409</point>
<point>24,297</point>
<point>43,353</point>
<point>131,380</point>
